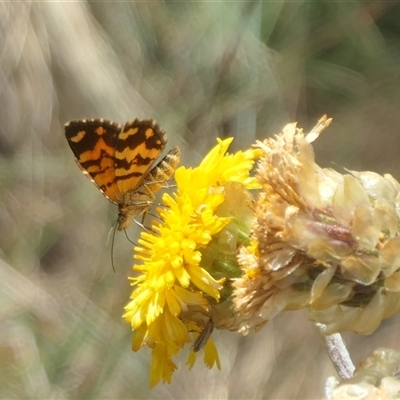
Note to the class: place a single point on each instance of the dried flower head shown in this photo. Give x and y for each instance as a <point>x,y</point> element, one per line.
<point>377,377</point>
<point>323,240</point>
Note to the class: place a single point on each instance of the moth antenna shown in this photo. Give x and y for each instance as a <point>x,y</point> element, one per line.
<point>112,235</point>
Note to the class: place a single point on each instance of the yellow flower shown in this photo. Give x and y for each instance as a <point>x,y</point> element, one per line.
<point>186,259</point>
<point>323,240</point>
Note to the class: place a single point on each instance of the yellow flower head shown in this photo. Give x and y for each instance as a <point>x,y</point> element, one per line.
<point>187,258</point>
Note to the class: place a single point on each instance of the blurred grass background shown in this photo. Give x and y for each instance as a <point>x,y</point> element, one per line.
<point>202,70</point>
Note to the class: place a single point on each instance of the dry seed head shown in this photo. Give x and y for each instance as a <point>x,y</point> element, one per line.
<point>322,240</point>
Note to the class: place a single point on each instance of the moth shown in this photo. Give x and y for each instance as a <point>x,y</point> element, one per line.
<point>119,160</point>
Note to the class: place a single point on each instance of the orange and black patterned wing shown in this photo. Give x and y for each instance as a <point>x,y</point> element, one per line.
<point>93,141</point>
<point>138,146</point>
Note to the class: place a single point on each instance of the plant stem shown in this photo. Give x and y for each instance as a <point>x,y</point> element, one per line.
<point>338,353</point>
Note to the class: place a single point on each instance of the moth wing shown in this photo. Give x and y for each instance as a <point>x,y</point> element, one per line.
<point>138,145</point>
<point>93,143</point>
